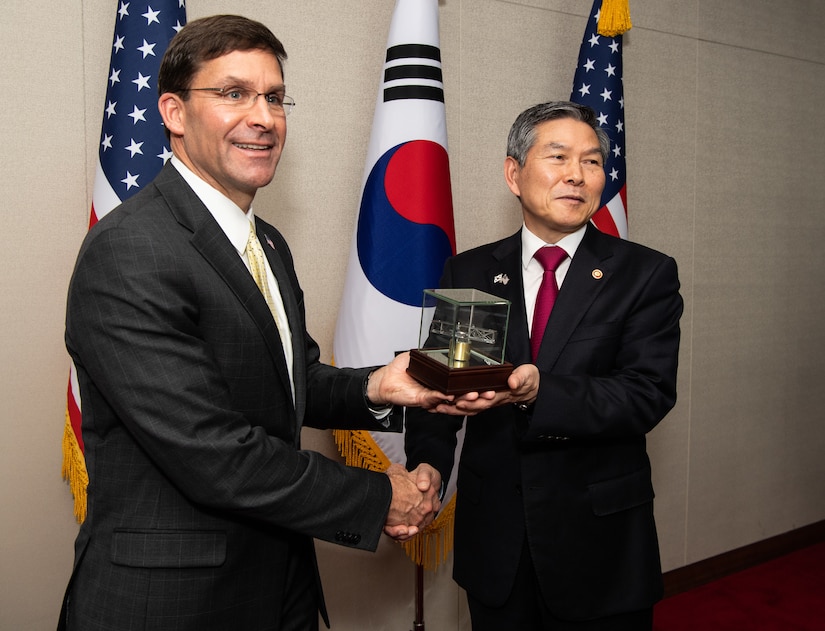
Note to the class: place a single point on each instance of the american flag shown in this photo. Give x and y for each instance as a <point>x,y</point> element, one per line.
<point>132,149</point>
<point>598,84</point>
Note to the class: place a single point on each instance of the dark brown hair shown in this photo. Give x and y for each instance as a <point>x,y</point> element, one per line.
<point>209,38</point>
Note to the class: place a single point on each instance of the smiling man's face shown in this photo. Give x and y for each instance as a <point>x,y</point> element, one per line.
<point>235,149</point>
<point>561,182</point>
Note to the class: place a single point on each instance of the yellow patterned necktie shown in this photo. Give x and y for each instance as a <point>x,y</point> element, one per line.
<point>257,266</point>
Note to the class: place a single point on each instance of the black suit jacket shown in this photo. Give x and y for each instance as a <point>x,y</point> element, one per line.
<point>198,489</point>
<point>571,475</point>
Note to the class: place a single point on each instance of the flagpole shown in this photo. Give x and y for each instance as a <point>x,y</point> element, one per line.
<point>418,623</point>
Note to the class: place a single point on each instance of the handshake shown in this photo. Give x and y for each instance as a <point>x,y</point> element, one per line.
<point>414,500</point>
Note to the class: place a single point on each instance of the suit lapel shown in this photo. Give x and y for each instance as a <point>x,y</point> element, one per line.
<point>504,279</point>
<point>293,314</point>
<point>590,271</point>
<point>213,245</point>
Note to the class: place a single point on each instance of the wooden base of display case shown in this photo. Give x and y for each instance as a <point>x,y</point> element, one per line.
<point>439,376</point>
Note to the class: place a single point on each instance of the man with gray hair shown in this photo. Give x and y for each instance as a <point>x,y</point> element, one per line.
<point>554,523</point>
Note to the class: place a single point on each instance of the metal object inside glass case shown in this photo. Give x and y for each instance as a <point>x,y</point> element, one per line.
<point>461,341</point>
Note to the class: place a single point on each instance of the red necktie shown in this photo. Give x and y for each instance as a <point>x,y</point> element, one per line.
<point>550,258</point>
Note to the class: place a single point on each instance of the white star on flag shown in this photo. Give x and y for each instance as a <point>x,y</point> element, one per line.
<point>138,115</point>
<point>134,147</point>
<point>147,49</point>
<point>151,16</point>
<point>130,180</point>
<point>141,82</point>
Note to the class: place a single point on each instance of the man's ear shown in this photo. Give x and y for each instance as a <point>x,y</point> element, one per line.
<point>512,172</point>
<point>172,111</point>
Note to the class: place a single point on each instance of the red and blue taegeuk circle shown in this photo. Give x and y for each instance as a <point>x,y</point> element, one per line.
<point>405,226</point>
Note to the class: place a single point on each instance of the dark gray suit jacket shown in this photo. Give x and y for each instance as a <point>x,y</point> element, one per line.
<point>198,489</point>
<point>571,475</point>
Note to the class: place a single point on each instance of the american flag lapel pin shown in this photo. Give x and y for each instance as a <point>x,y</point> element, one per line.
<point>269,241</point>
<point>501,278</point>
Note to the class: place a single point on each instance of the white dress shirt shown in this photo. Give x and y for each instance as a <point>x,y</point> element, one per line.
<point>531,270</point>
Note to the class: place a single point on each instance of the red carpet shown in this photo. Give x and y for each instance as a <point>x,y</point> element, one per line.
<point>786,594</point>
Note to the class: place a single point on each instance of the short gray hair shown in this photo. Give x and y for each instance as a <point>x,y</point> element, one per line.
<point>523,132</point>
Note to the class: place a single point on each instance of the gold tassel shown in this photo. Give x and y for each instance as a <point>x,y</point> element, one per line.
<point>74,470</point>
<point>614,18</point>
<point>432,546</point>
<point>428,548</point>
<point>359,449</point>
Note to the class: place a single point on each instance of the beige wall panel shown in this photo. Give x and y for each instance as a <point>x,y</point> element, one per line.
<point>660,86</point>
<point>677,17</point>
<point>44,191</point>
<point>758,338</point>
<point>672,17</point>
<point>788,29</point>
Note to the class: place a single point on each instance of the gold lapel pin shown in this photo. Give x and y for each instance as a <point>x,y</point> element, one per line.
<point>597,274</point>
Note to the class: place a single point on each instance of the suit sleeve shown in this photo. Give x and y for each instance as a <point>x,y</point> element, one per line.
<point>135,330</point>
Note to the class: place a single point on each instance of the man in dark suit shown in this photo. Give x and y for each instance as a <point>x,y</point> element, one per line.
<point>554,523</point>
<point>194,385</point>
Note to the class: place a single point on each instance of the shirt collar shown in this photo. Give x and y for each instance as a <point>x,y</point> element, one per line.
<point>530,243</point>
<point>230,217</point>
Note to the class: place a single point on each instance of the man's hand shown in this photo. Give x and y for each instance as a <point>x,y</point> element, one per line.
<point>414,500</point>
<point>524,388</point>
<point>392,384</point>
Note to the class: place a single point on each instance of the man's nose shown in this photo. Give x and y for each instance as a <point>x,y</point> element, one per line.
<point>575,173</point>
<point>261,113</point>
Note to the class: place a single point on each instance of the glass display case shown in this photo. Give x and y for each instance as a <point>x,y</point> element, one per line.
<point>462,341</point>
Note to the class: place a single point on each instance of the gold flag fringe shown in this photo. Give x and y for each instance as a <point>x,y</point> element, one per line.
<point>431,547</point>
<point>359,449</point>
<point>428,548</point>
<point>614,18</point>
<point>74,470</point>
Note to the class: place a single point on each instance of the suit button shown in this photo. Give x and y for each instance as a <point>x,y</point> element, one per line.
<point>350,538</point>
<point>518,489</point>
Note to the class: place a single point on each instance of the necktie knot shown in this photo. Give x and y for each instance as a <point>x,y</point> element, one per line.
<point>550,257</point>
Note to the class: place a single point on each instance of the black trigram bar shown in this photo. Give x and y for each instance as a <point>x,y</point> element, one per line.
<point>422,51</point>
<point>413,71</point>
<point>400,92</point>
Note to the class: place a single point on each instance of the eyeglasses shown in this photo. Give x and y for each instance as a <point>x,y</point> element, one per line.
<point>244,98</point>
